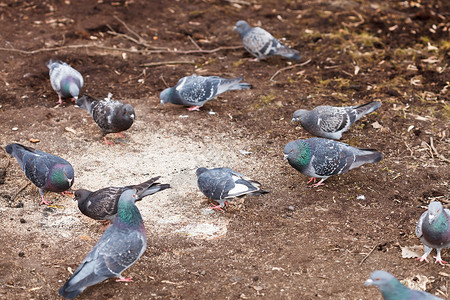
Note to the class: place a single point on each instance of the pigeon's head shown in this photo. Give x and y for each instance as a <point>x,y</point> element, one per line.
<point>200,171</point>
<point>434,209</point>
<point>128,196</point>
<point>298,115</point>
<point>298,153</point>
<point>383,280</point>
<point>166,95</point>
<point>128,112</point>
<point>242,27</point>
<point>60,178</point>
<point>81,195</point>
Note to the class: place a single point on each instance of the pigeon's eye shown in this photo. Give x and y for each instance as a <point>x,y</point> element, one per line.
<point>292,151</point>
<point>438,210</point>
<point>377,278</point>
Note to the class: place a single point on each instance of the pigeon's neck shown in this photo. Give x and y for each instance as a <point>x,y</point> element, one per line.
<point>440,224</point>
<point>303,156</point>
<point>128,215</point>
<point>394,290</point>
<point>68,84</point>
<point>57,179</point>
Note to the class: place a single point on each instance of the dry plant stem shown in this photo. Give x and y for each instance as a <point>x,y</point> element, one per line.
<point>193,42</point>
<point>288,68</point>
<point>164,63</point>
<point>164,81</point>
<point>368,254</point>
<point>20,190</point>
<point>440,156</point>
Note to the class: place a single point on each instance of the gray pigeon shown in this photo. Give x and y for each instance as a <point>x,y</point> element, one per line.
<point>196,90</point>
<point>331,122</point>
<point>120,246</point>
<point>262,44</point>
<point>66,81</point>
<point>224,184</point>
<point>433,229</point>
<point>392,289</point>
<point>48,172</point>
<point>317,157</point>
<point>102,204</point>
<point>110,115</point>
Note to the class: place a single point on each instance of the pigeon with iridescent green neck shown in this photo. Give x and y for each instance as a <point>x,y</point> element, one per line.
<point>433,229</point>
<point>48,172</point>
<point>120,246</point>
<point>65,80</point>
<point>322,158</point>
<point>194,91</point>
<point>392,289</point>
<point>102,204</point>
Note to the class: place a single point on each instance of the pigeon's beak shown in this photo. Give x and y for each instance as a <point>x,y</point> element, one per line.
<point>431,218</point>
<point>369,282</point>
<point>132,116</point>
<point>234,28</point>
<point>162,102</point>
<point>285,157</point>
<point>294,120</point>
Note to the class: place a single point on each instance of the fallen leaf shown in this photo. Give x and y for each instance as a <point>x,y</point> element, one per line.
<point>376,125</point>
<point>411,252</point>
<point>71,130</point>
<point>418,282</point>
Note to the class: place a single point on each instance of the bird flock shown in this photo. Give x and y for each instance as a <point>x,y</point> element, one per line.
<point>125,240</point>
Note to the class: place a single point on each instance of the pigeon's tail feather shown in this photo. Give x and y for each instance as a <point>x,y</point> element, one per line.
<point>149,187</point>
<point>364,156</point>
<point>289,53</point>
<point>367,108</point>
<point>11,148</point>
<point>51,62</point>
<point>259,192</point>
<point>232,84</point>
<point>85,102</point>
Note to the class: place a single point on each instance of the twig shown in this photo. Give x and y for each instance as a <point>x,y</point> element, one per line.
<point>162,63</point>
<point>239,2</point>
<point>193,42</point>
<point>288,68</point>
<point>19,191</point>
<point>197,51</point>
<point>368,254</point>
<point>356,24</point>
<point>128,28</point>
<point>163,80</point>
<point>31,52</point>
<point>440,156</point>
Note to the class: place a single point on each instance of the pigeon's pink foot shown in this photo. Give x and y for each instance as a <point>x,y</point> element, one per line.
<point>316,184</point>
<point>60,100</point>
<point>440,261</point>
<point>74,100</point>
<point>312,179</point>
<point>124,279</point>
<point>44,201</point>
<point>65,193</point>
<point>110,143</point>
<point>422,258</point>
<point>192,108</point>
<point>120,134</point>
<point>254,59</point>
<point>216,207</point>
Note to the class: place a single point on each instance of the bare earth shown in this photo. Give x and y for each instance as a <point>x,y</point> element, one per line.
<point>293,243</point>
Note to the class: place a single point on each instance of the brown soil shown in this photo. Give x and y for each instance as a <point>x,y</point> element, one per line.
<point>293,243</point>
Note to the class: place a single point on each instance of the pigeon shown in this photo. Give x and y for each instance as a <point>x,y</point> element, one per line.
<point>392,289</point>
<point>433,229</point>
<point>48,172</point>
<point>120,246</point>
<point>66,81</point>
<point>261,44</point>
<point>331,122</point>
<point>110,115</point>
<point>323,158</point>
<point>196,90</point>
<point>223,184</point>
<point>102,204</point>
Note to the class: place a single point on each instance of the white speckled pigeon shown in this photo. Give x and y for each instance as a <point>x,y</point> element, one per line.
<point>120,246</point>
<point>317,157</point>
<point>48,172</point>
<point>66,81</point>
<point>102,204</point>
<point>224,184</point>
<point>330,122</point>
<point>110,115</point>
<point>196,90</point>
<point>261,44</point>
<point>392,289</point>
<point>433,229</point>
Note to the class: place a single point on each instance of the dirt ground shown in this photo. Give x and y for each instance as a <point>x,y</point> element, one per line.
<point>293,243</point>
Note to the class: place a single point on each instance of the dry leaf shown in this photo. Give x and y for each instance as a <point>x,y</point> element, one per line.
<point>411,252</point>
<point>71,130</point>
<point>376,125</point>
<point>35,140</point>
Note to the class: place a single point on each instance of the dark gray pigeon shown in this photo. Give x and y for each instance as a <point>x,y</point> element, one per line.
<point>331,122</point>
<point>102,204</point>
<point>48,172</point>
<point>392,289</point>
<point>196,90</point>
<point>110,115</point>
<point>66,81</point>
<point>433,229</point>
<point>224,184</point>
<point>317,157</point>
<point>120,246</point>
<point>261,44</point>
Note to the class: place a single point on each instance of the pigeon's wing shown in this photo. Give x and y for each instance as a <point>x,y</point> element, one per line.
<point>215,183</point>
<point>260,43</point>
<point>422,296</point>
<point>104,114</point>
<point>56,76</point>
<point>333,120</point>
<point>102,204</point>
<point>329,159</point>
<point>419,224</point>
<point>196,90</point>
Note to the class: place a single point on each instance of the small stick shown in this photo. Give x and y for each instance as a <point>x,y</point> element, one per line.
<point>19,191</point>
<point>163,80</point>
<point>288,68</point>
<point>368,254</point>
<point>440,156</point>
<point>128,28</point>
<point>193,42</point>
<point>163,63</point>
